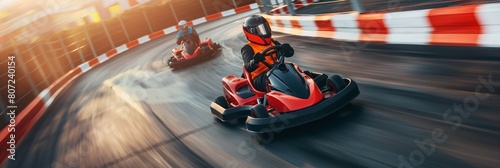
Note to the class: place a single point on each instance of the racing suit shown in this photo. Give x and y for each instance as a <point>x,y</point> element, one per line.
<point>258,69</point>
<point>190,33</point>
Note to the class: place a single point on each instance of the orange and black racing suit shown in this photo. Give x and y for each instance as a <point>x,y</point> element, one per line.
<point>258,69</point>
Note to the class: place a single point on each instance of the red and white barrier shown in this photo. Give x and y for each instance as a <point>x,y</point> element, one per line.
<point>470,25</point>
<point>30,114</point>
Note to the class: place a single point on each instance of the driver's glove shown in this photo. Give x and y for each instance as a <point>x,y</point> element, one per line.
<point>258,57</point>
<point>287,50</point>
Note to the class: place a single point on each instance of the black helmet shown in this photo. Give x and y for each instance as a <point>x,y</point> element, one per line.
<point>257,30</point>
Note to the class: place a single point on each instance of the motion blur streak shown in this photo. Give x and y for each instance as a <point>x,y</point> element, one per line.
<point>133,111</point>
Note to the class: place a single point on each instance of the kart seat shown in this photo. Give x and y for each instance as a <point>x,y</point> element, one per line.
<point>245,92</point>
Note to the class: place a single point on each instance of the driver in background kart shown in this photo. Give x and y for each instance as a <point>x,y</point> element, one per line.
<point>258,33</point>
<point>186,32</point>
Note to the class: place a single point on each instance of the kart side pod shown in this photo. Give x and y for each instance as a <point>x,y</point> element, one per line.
<point>231,84</point>
<point>229,114</point>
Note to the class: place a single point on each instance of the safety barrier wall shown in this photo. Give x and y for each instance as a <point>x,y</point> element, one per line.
<point>469,25</point>
<point>372,6</point>
<point>74,67</point>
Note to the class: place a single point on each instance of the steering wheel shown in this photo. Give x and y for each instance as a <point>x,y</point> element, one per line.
<point>266,51</point>
<point>281,59</point>
<point>277,50</point>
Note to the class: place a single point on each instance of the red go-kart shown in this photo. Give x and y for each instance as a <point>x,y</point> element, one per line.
<point>293,97</point>
<point>191,52</point>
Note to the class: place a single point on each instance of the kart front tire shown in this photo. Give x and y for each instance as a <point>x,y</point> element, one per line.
<point>165,61</point>
<point>336,82</point>
<point>260,111</point>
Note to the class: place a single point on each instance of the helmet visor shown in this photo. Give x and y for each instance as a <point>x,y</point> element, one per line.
<point>260,30</point>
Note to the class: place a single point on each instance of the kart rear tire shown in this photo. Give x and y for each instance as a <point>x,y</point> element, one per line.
<point>308,73</point>
<point>221,101</point>
<point>260,111</point>
<point>337,82</point>
<point>216,46</point>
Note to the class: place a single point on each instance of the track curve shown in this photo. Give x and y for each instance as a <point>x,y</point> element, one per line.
<point>135,112</point>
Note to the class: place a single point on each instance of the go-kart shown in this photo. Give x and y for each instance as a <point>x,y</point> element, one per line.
<point>293,97</point>
<point>192,53</point>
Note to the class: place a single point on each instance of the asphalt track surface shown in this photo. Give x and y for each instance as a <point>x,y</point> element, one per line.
<point>133,111</point>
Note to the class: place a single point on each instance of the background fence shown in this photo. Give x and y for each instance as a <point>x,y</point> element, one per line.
<point>45,58</point>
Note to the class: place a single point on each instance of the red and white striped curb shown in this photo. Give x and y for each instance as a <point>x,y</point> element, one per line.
<point>297,4</point>
<point>30,114</point>
<point>470,25</point>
